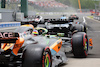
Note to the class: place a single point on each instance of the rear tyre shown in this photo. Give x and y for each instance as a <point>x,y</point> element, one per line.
<point>80,45</point>
<point>79,27</point>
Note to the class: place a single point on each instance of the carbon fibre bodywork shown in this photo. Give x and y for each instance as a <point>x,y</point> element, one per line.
<point>57,26</point>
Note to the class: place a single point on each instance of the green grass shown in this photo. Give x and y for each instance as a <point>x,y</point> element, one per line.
<point>90,17</point>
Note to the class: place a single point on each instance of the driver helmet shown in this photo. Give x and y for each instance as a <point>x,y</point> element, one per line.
<point>63,15</point>
<point>35,32</point>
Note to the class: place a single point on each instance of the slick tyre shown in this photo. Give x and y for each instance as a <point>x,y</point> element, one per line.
<point>80,45</point>
<point>35,56</point>
<point>79,27</point>
<point>46,58</point>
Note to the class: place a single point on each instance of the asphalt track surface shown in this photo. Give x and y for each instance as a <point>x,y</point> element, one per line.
<point>93,58</point>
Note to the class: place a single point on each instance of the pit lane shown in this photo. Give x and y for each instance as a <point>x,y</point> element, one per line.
<point>93,32</point>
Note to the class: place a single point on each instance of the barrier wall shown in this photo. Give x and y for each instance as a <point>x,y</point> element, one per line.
<point>97,18</point>
<point>9,24</point>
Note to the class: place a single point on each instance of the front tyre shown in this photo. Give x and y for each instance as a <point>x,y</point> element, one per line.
<point>47,58</point>
<point>36,56</point>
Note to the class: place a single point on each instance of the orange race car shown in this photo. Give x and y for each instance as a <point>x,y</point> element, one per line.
<point>22,49</point>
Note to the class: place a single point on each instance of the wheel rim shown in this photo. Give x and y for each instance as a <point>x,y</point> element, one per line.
<point>47,60</point>
<point>86,44</point>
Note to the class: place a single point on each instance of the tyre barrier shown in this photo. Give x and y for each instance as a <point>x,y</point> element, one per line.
<point>9,24</point>
<point>97,18</point>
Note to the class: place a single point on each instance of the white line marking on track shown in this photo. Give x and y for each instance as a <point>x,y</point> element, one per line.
<point>84,19</point>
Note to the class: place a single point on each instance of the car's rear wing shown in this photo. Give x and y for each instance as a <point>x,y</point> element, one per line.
<point>8,37</point>
<point>33,22</point>
<point>27,22</point>
<point>58,21</point>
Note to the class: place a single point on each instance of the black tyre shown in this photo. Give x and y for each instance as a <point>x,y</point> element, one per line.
<point>79,27</point>
<point>80,45</point>
<point>37,57</point>
<point>84,27</point>
<point>46,58</point>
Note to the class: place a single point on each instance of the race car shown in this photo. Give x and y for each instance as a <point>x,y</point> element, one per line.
<point>63,17</point>
<point>29,22</point>
<point>21,49</point>
<point>32,20</point>
<point>73,35</point>
<point>73,17</point>
<point>38,18</point>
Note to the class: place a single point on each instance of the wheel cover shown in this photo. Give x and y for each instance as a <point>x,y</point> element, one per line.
<point>47,60</point>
